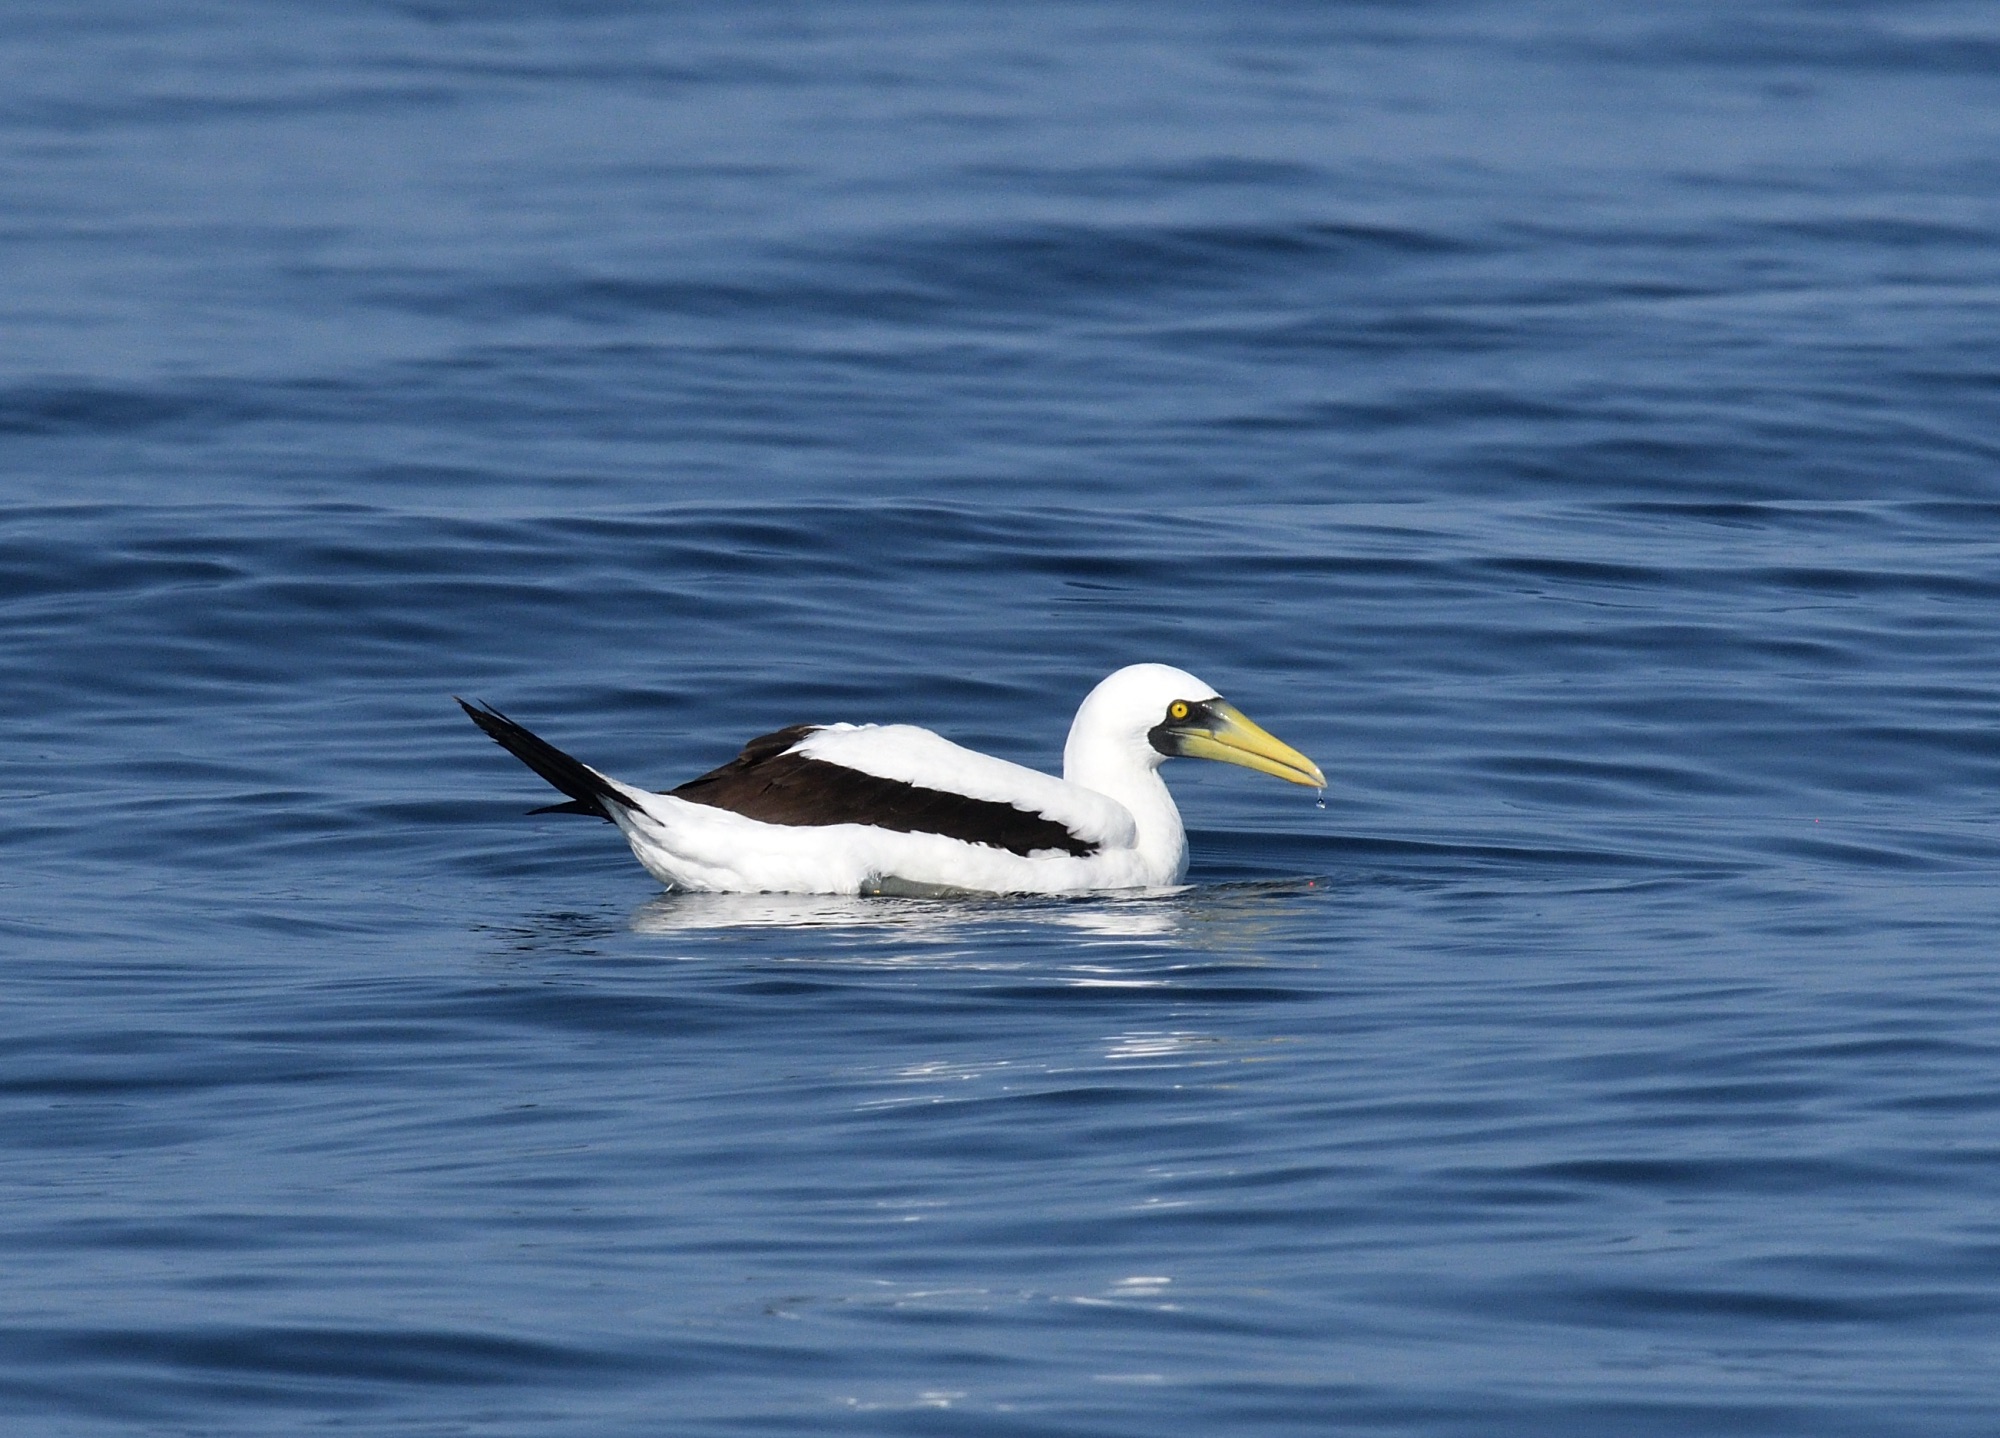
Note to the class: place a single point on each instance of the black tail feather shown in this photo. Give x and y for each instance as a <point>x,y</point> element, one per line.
<point>588,792</point>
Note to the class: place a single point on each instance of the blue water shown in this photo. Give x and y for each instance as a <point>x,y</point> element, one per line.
<point>1575,426</point>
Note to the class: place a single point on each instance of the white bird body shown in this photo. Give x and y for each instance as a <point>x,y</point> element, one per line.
<point>694,847</point>
<point>858,809</point>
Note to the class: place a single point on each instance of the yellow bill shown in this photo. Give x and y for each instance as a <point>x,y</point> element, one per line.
<point>1219,730</point>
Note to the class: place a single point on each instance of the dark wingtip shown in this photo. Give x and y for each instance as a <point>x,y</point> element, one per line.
<point>482,714</point>
<point>587,792</point>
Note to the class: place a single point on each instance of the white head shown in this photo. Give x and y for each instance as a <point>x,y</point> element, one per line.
<point>1139,718</point>
<point>1145,714</point>
<point>1127,706</point>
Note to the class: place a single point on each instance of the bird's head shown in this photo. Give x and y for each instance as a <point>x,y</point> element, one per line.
<point>1155,712</point>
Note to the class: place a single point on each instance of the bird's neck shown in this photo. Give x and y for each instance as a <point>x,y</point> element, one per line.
<point>1135,783</point>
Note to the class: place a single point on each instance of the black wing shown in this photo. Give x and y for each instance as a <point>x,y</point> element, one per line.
<point>587,791</point>
<point>773,786</point>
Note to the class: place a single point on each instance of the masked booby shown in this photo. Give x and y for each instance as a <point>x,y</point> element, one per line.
<point>891,808</point>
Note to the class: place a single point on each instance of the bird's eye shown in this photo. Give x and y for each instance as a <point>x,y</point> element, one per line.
<point>1178,709</point>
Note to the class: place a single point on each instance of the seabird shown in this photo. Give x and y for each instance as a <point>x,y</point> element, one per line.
<point>891,808</point>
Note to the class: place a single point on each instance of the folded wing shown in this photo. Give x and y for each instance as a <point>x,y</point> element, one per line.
<point>908,780</point>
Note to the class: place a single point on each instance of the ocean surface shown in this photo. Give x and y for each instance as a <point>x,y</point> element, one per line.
<point>1577,426</point>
